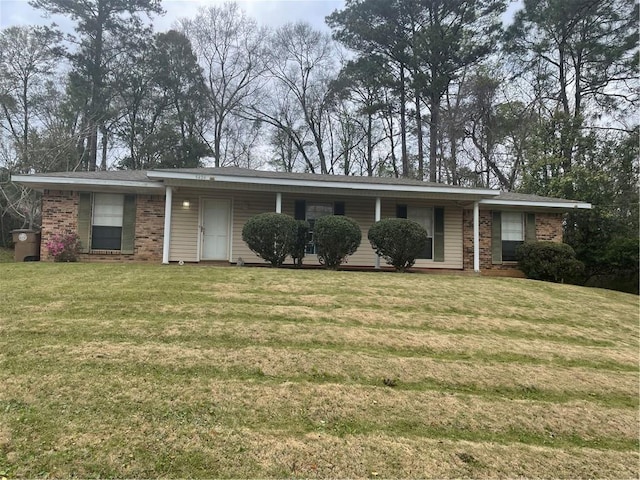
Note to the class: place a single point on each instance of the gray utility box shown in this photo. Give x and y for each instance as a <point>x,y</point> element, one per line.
<point>26,244</point>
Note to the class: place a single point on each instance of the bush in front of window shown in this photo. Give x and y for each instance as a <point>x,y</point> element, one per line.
<point>64,247</point>
<point>336,237</point>
<point>302,238</point>
<point>549,261</point>
<point>399,241</point>
<point>271,236</point>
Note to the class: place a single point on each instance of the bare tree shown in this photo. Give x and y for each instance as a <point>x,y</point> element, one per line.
<point>230,48</point>
<point>302,63</point>
<point>28,57</point>
<point>291,138</point>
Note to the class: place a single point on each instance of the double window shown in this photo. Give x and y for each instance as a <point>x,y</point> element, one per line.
<point>509,231</point>
<point>432,220</point>
<point>311,211</point>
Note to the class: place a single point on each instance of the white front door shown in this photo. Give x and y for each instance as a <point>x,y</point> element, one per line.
<point>216,216</point>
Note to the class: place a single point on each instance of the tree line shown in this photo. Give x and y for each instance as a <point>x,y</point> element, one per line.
<point>437,90</point>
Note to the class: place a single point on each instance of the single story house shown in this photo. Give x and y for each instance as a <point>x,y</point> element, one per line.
<point>197,215</point>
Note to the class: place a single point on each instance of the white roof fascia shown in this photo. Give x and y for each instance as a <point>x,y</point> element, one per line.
<point>290,182</point>
<point>542,204</point>
<point>88,182</point>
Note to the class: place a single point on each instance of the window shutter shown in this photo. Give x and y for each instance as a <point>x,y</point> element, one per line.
<point>300,212</point>
<point>401,211</point>
<point>496,237</point>
<point>530,228</point>
<point>84,222</point>
<point>338,208</point>
<point>128,225</point>
<point>438,234</point>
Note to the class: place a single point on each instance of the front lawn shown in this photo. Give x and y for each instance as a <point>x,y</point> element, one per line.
<point>168,371</point>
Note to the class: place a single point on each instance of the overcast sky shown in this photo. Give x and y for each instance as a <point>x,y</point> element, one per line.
<point>266,12</point>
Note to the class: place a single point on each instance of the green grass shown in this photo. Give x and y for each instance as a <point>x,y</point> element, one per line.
<point>152,371</point>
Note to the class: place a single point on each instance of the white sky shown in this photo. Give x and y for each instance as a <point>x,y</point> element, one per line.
<point>266,12</point>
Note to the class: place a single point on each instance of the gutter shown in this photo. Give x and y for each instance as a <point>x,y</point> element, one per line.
<point>567,205</point>
<point>88,182</point>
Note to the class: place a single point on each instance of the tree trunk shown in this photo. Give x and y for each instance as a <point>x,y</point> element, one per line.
<point>96,111</point>
<point>369,146</point>
<point>105,140</point>
<point>434,103</point>
<point>420,174</point>
<point>403,124</point>
<point>93,146</point>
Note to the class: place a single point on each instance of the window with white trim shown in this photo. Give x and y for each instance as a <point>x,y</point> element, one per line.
<point>106,224</point>
<point>313,212</point>
<point>425,217</point>
<point>512,229</point>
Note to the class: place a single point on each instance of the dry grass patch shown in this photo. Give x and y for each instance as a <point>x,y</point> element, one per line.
<point>149,371</point>
<point>282,364</point>
<point>262,330</point>
<point>358,456</point>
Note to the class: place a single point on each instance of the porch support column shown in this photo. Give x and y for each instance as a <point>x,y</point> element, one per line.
<point>278,202</point>
<point>377,217</point>
<point>168,200</point>
<point>476,237</point>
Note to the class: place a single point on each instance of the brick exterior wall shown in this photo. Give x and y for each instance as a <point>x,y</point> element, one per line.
<point>149,228</point>
<point>548,227</point>
<point>485,239</point>
<point>60,215</point>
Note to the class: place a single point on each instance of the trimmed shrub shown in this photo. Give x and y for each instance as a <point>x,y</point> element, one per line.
<point>299,246</point>
<point>270,236</point>
<point>336,237</point>
<point>64,247</point>
<point>398,240</point>
<point>550,261</point>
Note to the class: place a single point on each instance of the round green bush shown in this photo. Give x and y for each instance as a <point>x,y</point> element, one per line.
<point>336,237</point>
<point>398,240</point>
<point>549,261</point>
<point>271,236</point>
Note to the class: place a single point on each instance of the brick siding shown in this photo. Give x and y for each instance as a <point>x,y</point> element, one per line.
<point>60,215</point>
<point>548,227</point>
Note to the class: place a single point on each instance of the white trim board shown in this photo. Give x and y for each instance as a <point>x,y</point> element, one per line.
<point>532,203</point>
<point>88,182</point>
<point>290,182</point>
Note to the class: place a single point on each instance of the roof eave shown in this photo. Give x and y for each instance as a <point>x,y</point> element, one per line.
<point>320,183</point>
<point>537,204</point>
<point>41,182</point>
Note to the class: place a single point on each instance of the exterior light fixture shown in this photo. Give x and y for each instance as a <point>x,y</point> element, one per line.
<point>186,203</point>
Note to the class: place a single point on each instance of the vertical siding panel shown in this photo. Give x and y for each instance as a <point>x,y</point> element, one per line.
<point>360,209</point>
<point>184,228</point>
<point>453,238</point>
<point>452,230</point>
<point>245,204</point>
